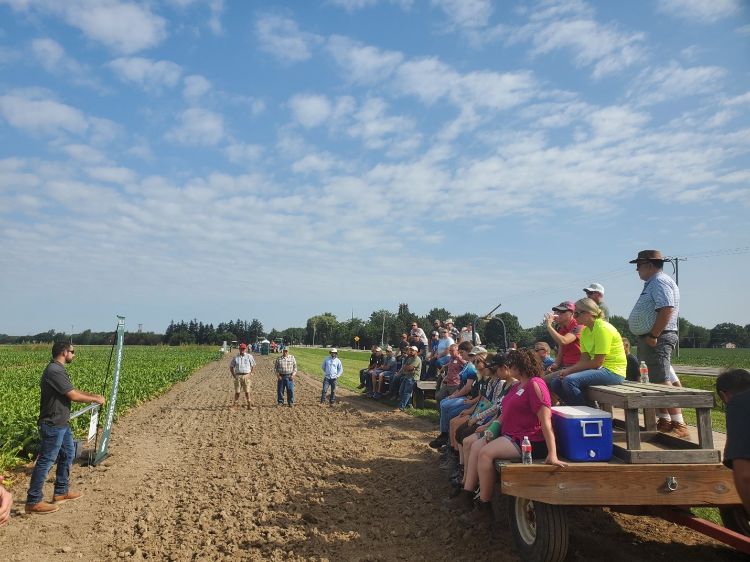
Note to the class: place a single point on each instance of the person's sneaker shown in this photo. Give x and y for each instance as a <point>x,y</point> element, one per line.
<point>664,425</point>
<point>66,497</point>
<point>291,405</point>
<point>248,405</point>
<point>332,404</point>
<point>680,430</point>
<point>41,508</point>
<point>322,404</point>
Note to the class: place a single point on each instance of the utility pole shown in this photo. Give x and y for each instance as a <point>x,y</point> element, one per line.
<point>675,261</point>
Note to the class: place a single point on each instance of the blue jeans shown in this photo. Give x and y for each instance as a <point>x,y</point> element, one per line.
<point>404,392</point>
<point>55,446</point>
<point>449,409</point>
<point>288,384</point>
<point>326,383</point>
<point>570,389</point>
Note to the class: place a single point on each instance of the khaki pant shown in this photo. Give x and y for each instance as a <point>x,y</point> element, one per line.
<point>242,382</point>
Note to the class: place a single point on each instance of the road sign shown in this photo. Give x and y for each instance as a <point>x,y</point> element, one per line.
<point>356,338</point>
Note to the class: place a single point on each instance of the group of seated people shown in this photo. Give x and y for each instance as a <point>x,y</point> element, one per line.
<point>393,373</point>
<point>490,403</point>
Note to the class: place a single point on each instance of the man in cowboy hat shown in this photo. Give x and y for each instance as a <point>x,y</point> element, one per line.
<point>654,320</point>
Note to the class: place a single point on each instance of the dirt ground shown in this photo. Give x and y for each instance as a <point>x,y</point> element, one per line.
<point>189,478</point>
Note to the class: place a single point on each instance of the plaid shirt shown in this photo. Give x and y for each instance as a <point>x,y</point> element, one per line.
<point>285,365</point>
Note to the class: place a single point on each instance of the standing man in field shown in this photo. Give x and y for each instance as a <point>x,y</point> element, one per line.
<point>332,370</point>
<point>56,440</point>
<point>285,367</point>
<point>241,367</point>
<point>654,320</point>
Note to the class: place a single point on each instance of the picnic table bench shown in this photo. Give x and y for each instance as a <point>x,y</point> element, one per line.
<point>422,390</point>
<point>638,444</point>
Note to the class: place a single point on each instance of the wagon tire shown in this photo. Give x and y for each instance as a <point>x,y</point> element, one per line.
<point>540,530</point>
<point>735,519</point>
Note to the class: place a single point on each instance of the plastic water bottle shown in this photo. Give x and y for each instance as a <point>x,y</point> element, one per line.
<point>526,450</point>
<point>644,372</point>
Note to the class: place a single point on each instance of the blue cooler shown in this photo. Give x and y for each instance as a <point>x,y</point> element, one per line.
<point>582,433</point>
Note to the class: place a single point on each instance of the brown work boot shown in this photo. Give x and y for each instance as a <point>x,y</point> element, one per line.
<point>480,518</point>
<point>67,497</point>
<point>664,425</point>
<point>463,501</point>
<point>680,430</point>
<point>41,508</point>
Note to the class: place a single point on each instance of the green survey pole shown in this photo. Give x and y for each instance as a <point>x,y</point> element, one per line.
<point>102,450</point>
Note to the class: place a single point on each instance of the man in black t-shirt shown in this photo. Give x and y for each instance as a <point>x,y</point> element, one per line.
<point>56,440</point>
<point>733,388</point>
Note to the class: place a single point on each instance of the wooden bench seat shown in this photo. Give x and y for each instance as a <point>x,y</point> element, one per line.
<point>633,397</point>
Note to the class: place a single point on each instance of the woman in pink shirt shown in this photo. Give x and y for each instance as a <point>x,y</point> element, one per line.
<point>525,413</point>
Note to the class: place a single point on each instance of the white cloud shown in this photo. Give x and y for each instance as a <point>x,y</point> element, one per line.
<point>700,11</point>
<point>282,38</point>
<point>603,47</point>
<point>363,63</point>
<point>314,164</point>
<point>738,100</point>
<point>196,86</point>
<point>84,153</point>
<point>216,8</point>
<point>377,129</point>
<point>112,174</point>
<point>198,127</point>
<point>41,115</point>
<point>466,14</point>
<point>125,27</point>
<point>239,153</point>
<point>675,81</point>
<point>353,5</point>
<point>310,110</point>
<point>152,76</point>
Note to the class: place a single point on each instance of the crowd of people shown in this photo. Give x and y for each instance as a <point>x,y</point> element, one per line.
<point>492,406</point>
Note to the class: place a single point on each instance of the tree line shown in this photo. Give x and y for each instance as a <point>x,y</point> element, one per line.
<point>382,326</point>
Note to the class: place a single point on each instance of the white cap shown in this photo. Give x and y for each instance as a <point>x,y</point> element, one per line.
<point>594,288</point>
<point>334,350</point>
<point>414,347</point>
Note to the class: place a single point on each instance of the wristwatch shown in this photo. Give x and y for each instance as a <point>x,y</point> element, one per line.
<point>652,336</point>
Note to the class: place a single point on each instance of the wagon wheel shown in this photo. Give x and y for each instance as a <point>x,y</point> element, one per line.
<point>736,519</point>
<point>540,530</point>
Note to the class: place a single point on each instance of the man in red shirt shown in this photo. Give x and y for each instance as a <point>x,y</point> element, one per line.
<point>566,332</point>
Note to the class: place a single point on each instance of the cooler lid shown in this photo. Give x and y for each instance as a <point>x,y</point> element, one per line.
<point>577,412</point>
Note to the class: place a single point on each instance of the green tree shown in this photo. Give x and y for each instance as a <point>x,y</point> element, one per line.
<point>728,333</point>
<point>500,327</point>
<point>320,329</point>
<point>255,330</point>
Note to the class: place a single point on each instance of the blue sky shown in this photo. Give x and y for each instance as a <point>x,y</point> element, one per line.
<point>217,159</point>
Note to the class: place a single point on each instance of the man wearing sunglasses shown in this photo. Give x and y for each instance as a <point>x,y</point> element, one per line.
<point>56,440</point>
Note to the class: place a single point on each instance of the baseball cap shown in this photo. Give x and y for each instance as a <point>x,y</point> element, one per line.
<point>333,350</point>
<point>243,346</point>
<point>448,321</point>
<point>564,307</point>
<point>414,347</point>
<point>594,288</point>
<point>389,348</point>
<point>378,349</point>
<point>476,350</point>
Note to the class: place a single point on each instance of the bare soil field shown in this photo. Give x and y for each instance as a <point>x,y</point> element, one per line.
<point>190,478</point>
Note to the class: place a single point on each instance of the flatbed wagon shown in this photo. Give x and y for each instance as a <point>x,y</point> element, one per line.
<point>650,474</point>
